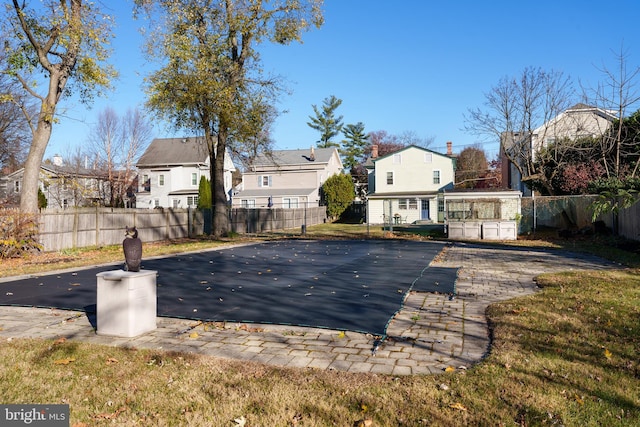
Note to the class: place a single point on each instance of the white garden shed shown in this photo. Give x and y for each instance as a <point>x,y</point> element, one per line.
<point>482,214</point>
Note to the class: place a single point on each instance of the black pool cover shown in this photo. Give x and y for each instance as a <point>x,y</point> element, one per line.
<point>345,285</point>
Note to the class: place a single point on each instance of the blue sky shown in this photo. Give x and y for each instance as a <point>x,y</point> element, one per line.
<point>408,66</point>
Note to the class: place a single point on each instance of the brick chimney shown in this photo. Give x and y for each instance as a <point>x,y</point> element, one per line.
<point>449,148</point>
<point>374,151</point>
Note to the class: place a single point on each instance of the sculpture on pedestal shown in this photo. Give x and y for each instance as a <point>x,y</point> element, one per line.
<point>132,247</point>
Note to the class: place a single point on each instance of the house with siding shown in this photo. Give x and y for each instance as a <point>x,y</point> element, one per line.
<point>407,186</point>
<point>63,185</point>
<point>287,178</point>
<point>170,169</point>
<point>579,121</point>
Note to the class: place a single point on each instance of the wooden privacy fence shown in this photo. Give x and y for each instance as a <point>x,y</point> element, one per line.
<point>558,211</point>
<point>82,227</point>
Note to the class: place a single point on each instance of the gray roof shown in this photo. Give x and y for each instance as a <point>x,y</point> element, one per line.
<point>266,192</point>
<point>174,151</point>
<point>294,157</point>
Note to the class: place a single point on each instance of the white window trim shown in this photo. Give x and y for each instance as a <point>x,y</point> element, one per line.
<point>433,176</point>
<point>261,181</point>
<point>387,177</point>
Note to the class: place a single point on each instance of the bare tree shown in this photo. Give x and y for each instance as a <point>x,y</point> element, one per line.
<point>116,143</point>
<point>514,109</point>
<point>14,128</point>
<point>618,94</point>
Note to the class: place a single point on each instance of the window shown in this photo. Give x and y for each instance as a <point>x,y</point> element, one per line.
<point>194,179</point>
<point>436,177</point>
<point>192,201</point>
<point>264,181</point>
<point>389,178</point>
<point>248,203</point>
<point>156,203</point>
<point>397,158</point>
<point>175,203</point>
<point>16,186</point>
<point>440,204</point>
<point>161,180</point>
<point>404,204</point>
<point>290,202</point>
<point>428,157</point>
<point>146,183</point>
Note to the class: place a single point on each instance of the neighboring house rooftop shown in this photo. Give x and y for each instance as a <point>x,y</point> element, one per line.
<point>174,152</point>
<point>293,157</point>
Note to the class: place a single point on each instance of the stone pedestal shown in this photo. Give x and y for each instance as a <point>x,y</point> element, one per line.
<point>126,303</point>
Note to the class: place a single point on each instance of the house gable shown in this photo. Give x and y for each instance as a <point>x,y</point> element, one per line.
<point>287,177</point>
<point>412,169</point>
<point>170,171</point>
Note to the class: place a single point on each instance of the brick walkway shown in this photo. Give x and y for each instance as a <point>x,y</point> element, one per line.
<point>429,333</point>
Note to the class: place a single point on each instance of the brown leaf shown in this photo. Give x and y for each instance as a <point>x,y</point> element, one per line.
<point>106,416</point>
<point>65,361</point>
<point>459,406</point>
<point>111,360</point>
<point>59,341</point>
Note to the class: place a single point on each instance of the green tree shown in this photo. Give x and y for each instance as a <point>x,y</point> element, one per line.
<point>52,49</point>
<point>204,193</point>
<point>42,200</point>
<point>210,76</point>
<point>326,122</point>
<point>353,145</point>
<point>338,193</point>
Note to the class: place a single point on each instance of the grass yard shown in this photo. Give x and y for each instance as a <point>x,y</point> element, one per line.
<point>567,355</point>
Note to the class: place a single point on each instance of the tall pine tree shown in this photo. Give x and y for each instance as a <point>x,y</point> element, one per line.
<point>353,145</point>
<point>326,122</point>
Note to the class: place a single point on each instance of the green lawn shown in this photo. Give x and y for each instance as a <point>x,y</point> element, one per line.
<point>567,355</point>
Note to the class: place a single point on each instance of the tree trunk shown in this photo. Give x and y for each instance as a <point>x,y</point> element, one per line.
<point>31,177</point>
<point>219,196</point>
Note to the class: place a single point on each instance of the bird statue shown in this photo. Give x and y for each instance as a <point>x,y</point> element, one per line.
<point>132,247</point>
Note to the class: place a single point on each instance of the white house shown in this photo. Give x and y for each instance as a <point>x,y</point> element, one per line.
<point>579,121</point>
<point>406,186</point>
<point>170,171</point>
<point>287,178</point>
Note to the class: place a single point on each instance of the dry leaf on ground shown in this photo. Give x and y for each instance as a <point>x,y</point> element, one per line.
<point>64,361</point>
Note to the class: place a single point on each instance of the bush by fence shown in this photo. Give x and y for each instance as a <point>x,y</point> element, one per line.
<point>18,233</point>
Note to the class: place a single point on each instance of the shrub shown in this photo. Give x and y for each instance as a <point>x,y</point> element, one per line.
<point>18,233</point>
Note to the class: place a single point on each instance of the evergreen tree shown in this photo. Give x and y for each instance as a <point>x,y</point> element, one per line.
<point>204,194</point>
<point>338,193</point>
<point>353,145</point>
<point>326,122</point>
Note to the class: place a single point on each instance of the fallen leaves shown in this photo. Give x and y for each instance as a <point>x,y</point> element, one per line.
<point>112,415</point>
<point>64,361</point>
<point>111,361</point>
<point>459,406</point>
